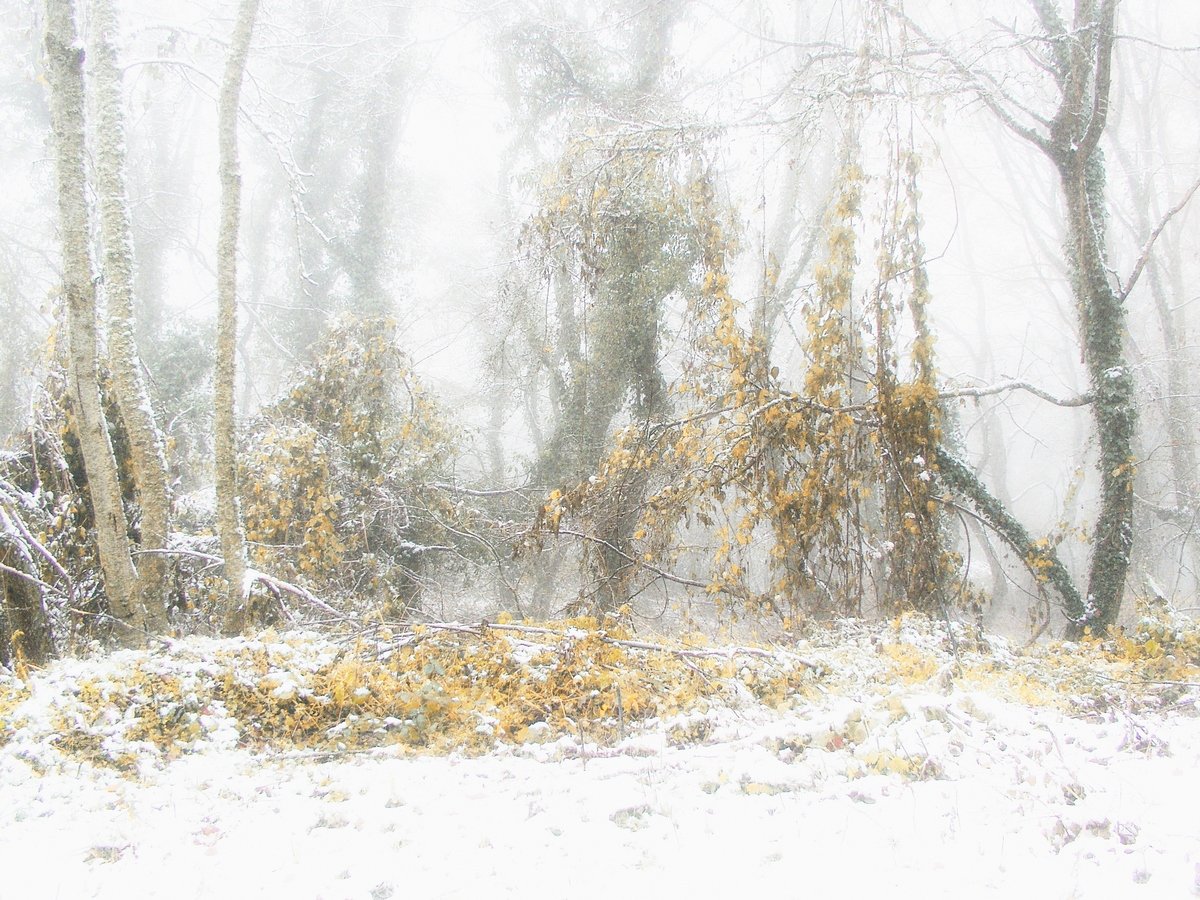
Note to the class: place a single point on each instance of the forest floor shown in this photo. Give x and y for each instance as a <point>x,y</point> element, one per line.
<point>864,760</point>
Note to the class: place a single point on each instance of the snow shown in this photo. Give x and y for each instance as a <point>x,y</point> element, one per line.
<point>936,787</point>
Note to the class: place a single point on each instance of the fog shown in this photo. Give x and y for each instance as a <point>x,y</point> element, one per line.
<point>409,161</point>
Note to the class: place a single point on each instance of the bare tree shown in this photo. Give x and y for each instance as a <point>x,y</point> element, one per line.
<point>65,75</point>
<point>229,520</point>
<point>148,462</point>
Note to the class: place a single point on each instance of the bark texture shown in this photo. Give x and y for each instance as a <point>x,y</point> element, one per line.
<point>64,58</point>
<point>148,460</point>
<point>229,519</point>
<point>1083,70</point>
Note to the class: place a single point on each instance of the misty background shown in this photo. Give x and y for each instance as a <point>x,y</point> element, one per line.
<point>397,160</point>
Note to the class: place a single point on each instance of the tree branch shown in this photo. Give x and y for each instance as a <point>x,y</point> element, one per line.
<point>986,94</point>
<point>1002,387</point>
<point>1144,255</point>
<point>1041,561</point>
<point>25,576</point>
<point>1100,90</point>
<point>661,573</point>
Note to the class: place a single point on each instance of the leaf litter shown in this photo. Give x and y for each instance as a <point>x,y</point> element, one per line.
<point>570,760</point>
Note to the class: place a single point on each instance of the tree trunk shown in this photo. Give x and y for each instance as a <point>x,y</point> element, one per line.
<point>1041,559</point>
<point>133,399</point>
<point>1085,60</point>
<point>229,519</point>
<point>1111,383</point>
<point>65,74</point>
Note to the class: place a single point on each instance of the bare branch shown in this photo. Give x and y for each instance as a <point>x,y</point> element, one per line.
<point>1144,255</point>
<point>661,573</point>
<point>1137,39</point>
<point>474,492</point>
<point>983,91</point>
<point>1006,386</point>
<point>1100,91</point>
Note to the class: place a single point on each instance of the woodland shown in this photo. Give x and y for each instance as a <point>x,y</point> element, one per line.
<point>663,315</point>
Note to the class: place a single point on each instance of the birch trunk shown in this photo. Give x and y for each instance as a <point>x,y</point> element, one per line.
<point>148,460</point>
<point>229,519</point>
<point>64,58</point>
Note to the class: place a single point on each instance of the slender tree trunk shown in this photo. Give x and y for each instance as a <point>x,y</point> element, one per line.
<point>368,251</point>
<point>65,74</point>
<point>129,387</point>
<point>1180,418</point>
<point>229,519</point>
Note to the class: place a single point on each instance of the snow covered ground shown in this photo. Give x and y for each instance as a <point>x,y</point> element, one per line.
<point>876,783</point>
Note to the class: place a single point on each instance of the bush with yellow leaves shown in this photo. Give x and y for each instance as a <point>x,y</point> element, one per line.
<point>337,484</point>
<point>1161,645</point>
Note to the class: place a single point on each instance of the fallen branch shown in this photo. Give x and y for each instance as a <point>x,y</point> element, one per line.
<point>254,576</point>
<point>683,652</point>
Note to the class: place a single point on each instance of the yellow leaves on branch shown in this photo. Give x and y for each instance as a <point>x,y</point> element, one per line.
<point>797,466</point>
<point>350,445</point>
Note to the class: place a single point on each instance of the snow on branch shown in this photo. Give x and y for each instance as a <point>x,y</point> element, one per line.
<point>254,576</point>
<point>1013,385</point>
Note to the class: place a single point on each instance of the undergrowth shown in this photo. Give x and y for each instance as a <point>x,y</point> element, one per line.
<point>429,689</point>
<point>437,689</point>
